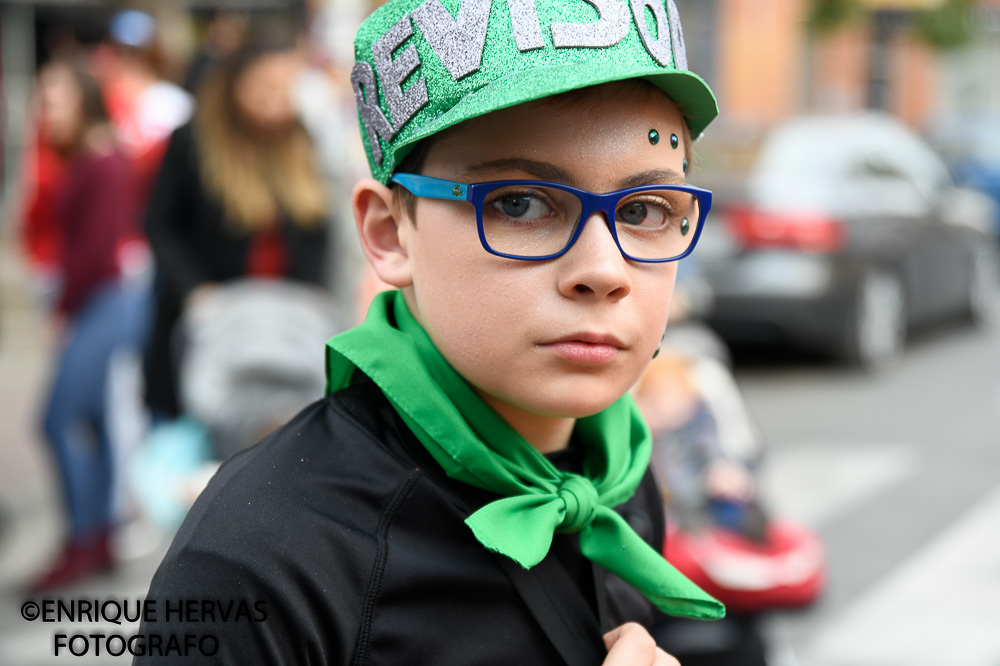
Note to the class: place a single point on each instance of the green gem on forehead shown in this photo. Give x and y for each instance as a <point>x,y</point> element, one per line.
<point>654,137</point>
<point>685,227</point>
<point>674,141</point>
<point>685,165</point>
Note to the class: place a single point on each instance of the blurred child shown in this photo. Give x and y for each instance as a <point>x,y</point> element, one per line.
<point>692,406</point>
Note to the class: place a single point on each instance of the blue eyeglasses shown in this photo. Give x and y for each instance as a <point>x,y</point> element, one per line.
<point>534,220</point>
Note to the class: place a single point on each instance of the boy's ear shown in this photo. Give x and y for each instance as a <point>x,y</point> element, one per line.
<point>382,230</point>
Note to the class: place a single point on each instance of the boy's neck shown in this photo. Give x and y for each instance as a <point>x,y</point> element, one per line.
<point>547,434</point>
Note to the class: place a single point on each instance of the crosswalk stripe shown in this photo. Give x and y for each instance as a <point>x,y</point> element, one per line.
<point>813,483</point>
<point>942,606</point>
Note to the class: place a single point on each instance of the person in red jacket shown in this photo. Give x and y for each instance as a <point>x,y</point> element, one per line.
<point>43,170</point>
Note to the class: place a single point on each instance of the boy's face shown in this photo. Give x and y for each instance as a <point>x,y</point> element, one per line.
<point>564,337</point>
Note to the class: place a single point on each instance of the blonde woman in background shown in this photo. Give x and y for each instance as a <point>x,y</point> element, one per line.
<point>238,195</point>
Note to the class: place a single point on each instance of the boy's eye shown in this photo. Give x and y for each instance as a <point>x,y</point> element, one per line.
<point>521,206</point>
<point>652,214</point>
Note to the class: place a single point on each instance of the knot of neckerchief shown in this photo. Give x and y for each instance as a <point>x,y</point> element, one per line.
<point>581,500</point>
<point>476,446</point>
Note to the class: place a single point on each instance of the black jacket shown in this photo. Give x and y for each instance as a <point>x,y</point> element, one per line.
<point>195,244</point>
<point>346,542</point>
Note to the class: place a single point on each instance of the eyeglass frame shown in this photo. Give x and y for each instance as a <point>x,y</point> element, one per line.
<point>591,202</point>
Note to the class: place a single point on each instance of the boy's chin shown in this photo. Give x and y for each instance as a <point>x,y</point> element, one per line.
<point>570,407</point>
<point>559,400</point>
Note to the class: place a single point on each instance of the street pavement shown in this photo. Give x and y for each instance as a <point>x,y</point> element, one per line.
<point>899,474</point>
<point>31,522</point>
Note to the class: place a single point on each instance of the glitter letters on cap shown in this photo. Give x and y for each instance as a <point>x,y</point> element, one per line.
<point>425,65</point>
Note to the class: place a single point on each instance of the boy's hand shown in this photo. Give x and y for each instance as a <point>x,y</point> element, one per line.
<point>631,645</point>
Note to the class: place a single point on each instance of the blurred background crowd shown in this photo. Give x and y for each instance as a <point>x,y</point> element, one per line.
<point>176,244</point>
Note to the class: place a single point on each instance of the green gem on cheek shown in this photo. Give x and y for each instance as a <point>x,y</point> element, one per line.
<point>685,227</point>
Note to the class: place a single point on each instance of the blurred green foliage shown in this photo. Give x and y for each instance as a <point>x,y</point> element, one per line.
<point>946,27</point>
<point>826,16</point>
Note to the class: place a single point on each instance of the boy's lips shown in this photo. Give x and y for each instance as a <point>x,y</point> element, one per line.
<point>586,347</point>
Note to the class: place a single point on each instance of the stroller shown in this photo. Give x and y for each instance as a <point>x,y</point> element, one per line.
<point>706,451</point>
<point>253,358</point>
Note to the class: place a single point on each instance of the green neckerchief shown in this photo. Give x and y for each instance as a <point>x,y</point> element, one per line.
<point>476,446</point>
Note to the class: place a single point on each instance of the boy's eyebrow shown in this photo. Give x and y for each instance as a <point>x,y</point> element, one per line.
<point>653,177</point>
<point>552,173</point>
<point>541,170</point>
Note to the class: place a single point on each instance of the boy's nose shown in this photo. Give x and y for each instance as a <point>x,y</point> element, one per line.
<point>595,265</point>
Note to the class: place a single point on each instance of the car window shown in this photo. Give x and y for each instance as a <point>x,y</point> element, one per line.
<point>916,162</point>
<point>854,166</point>
<point>799,167</point>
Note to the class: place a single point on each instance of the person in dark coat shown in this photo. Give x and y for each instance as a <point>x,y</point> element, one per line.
<point>238,195</point>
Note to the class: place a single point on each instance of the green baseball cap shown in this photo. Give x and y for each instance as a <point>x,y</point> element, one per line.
<point>425,65</point>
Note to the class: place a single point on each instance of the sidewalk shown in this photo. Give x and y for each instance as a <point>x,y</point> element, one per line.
<point>31,523</point>
<point>27,494</point>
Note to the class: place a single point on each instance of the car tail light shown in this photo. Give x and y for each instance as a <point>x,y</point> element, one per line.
<point>804,230</point>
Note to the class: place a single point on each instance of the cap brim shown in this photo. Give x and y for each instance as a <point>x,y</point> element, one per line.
<point>688,90</point>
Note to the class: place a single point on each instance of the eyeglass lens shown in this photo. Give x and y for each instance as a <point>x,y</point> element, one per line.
<point>536,221</point>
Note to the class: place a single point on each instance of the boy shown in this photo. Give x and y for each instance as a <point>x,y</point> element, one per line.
<point>474,488</point>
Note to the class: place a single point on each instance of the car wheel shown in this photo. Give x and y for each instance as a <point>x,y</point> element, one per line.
<point>877,331</point>
<point>984,288</point>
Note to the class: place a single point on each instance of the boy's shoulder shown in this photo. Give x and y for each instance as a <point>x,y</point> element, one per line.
<point>295,524</point>
<point>347,448</point>
<point>339,514</point>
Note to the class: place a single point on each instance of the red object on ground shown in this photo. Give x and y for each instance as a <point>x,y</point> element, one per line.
<point>787,570</point>
<point>80,559</point>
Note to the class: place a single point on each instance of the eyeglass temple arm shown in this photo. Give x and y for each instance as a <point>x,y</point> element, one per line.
<point>434,188</point>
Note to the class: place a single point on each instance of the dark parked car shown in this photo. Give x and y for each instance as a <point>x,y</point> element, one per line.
<point>851,232</point>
